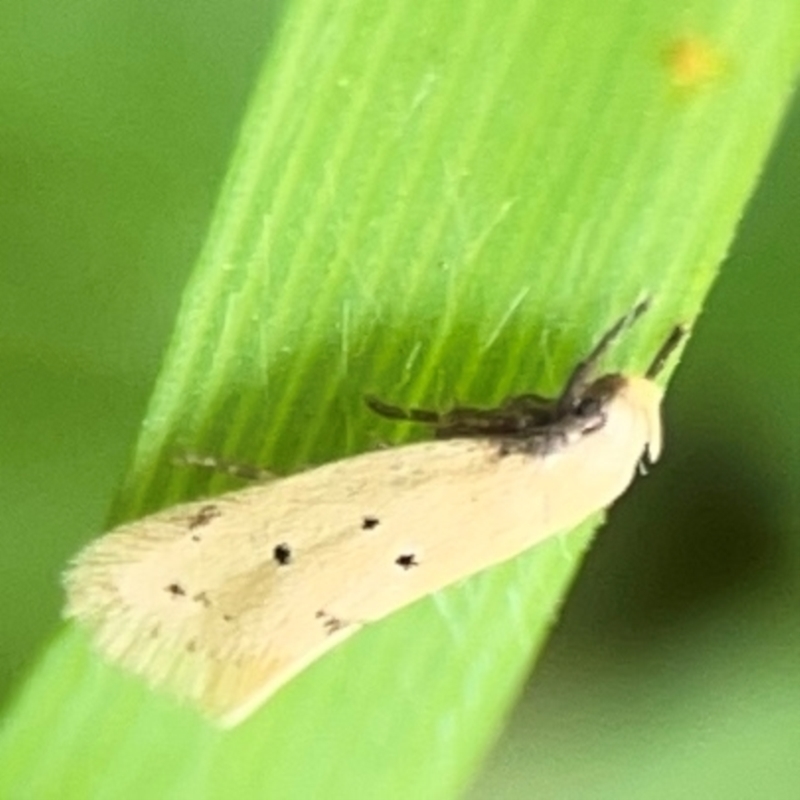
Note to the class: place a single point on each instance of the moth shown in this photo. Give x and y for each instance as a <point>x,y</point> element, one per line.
<point>224,600</point>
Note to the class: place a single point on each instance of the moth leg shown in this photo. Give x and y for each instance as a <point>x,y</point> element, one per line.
<point>528,400</point>
<point>666,350</point>
<point>528,404</point>
<point>582,372</point>
<point>408,415</point>
<point>246,471</point>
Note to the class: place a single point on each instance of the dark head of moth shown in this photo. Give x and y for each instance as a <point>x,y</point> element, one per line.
<point>533,423</point>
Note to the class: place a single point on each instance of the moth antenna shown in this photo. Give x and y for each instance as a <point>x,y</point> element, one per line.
<point>246,471</point>
<point>407,415</point>
<point>666,350</point>
<point>583,370</point>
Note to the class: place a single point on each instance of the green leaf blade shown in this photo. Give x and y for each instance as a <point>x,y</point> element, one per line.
<point>434,203</point>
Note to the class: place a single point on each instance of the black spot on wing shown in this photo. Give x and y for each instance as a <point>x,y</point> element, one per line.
<point>178,590</point>
<point>330,623</point>
<point>203,599</point>
<point>282,554</point>
<point>369,523</point>
<point>203,516</point>
<point>406,561</point>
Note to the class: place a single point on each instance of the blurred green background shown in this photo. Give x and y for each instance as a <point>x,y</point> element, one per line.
<point>674,670</point>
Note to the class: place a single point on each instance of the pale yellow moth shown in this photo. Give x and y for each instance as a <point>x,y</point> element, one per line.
<point>223,601</point>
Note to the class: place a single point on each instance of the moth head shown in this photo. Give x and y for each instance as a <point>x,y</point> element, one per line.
<point>611,395</point>
<point>586,403</point>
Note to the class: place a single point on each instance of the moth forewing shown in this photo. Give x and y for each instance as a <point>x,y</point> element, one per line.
<point>223,601</point>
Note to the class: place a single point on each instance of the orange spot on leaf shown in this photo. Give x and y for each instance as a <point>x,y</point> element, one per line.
<point>692,61</point>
